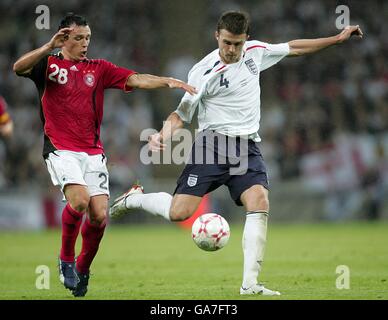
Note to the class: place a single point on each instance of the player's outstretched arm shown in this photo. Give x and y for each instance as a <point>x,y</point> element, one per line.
<point>26,62</point>
<point>148,81</point>
<point>305,46</point>
<point>173,123</point>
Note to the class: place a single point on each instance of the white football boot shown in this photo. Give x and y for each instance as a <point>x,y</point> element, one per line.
<point>120,206</point>
<point>259,289</point>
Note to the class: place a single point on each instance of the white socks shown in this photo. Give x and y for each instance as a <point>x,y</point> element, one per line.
<point>254,240</point>
<point>155,203</point>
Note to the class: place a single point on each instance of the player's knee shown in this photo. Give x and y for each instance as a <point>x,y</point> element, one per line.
<point>259,202</point>
<point>180,213</point>
<point>80,202</point>
<point>263,203</point>
<point>98,213</point>
<point>99,218</point>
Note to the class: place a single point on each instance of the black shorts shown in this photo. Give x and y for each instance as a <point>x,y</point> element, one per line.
<point>210,166</point>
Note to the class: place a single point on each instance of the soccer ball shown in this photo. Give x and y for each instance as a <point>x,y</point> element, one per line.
<point>210,232</point>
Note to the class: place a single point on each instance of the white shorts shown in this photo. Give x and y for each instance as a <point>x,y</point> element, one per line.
<point>68,167</point>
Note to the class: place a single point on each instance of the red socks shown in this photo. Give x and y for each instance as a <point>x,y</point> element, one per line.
<point>91,238</point>
<point>71,222</point>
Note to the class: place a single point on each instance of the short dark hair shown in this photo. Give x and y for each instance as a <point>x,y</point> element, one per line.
<point>235,22</point>
<point>70,19</point>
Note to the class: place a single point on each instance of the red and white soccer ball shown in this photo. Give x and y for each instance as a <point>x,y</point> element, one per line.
<point>210,232</point>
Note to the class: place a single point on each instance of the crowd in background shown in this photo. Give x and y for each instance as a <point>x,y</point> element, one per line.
<point>309,104</point>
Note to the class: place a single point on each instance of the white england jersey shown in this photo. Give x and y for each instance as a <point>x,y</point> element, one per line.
<point>228,95</point>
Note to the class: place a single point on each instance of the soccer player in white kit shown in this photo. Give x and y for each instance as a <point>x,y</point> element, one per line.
<point>228,102</point>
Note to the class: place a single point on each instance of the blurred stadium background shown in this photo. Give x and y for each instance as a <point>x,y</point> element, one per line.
<point>324,117</point>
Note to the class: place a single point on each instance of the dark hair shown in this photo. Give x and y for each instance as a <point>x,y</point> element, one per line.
<point>70,19</point>
<point>235,22</point>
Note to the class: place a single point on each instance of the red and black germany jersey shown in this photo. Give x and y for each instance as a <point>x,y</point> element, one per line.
<point>71,99</point>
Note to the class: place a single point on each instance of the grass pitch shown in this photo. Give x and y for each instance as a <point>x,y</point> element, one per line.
<point>159,262</point>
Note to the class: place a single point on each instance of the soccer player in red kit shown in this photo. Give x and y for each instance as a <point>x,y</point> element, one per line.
<point>71,91</point>
<point>6,123</point>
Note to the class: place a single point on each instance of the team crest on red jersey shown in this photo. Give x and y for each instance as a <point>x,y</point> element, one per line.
<point>89,79</point>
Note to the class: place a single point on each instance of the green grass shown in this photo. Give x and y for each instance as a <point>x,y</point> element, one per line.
<point>158,262</point>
